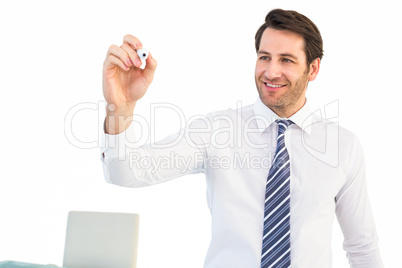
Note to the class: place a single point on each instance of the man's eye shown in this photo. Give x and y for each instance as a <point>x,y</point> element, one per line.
<point>287,60</point>
<point>264,58</point>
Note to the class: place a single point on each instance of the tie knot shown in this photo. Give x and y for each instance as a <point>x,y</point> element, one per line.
<point>283,124</point>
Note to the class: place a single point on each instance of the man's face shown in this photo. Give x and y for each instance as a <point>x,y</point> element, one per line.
<point>281,72</point>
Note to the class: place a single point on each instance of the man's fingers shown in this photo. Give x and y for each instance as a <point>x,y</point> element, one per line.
<point>126,56</point>
<point>131,44</point>
<point>150,67</point>
<point>112,61</point>
<point>132,41</point>
<point>132,54</point>
<point>120,54</point>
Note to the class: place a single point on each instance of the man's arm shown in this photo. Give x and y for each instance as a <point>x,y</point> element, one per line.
<point>126,163</point>
<point>355,216</point>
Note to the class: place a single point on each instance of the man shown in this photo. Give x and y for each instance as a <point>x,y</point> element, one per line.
<point>275,172</point>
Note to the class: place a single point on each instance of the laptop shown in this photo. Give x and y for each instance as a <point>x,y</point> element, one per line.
<point>101,240</point>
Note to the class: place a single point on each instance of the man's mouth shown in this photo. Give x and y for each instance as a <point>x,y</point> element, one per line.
<point>275,87</point>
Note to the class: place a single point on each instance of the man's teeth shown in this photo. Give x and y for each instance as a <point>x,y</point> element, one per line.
<point>270,85</point>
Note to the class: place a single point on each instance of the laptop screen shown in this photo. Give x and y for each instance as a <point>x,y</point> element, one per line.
<point>101,240</point>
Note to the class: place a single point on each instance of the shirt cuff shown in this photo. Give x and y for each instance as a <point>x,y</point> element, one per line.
<point>117,146</point>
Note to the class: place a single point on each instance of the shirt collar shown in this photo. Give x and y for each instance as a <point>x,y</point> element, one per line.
<point>265,117</point>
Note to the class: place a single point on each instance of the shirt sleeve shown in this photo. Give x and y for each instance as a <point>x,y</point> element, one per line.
<point>355,216</point>
<point>129,163</point>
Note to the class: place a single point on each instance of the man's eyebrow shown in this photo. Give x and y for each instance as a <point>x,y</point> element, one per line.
<point>289,55</point>
<point>262,52</point>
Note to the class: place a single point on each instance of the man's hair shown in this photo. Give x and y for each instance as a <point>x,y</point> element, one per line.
<point>293,21</point>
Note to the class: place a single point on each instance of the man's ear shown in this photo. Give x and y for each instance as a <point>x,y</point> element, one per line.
<point>314,68</point>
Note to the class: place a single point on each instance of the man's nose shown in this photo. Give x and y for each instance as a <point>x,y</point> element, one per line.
<point>273,70</point>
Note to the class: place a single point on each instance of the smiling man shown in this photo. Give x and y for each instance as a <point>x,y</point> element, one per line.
<point>274,187</point>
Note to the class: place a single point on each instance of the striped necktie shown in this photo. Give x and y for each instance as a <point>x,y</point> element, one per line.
<point>276,235</point>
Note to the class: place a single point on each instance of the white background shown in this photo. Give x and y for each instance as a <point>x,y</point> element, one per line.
<point>51,60</point>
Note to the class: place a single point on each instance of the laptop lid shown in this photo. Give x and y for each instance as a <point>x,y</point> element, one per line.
<point>101,240</point>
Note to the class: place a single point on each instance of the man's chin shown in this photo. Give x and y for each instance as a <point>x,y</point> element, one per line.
<point>270,102</point>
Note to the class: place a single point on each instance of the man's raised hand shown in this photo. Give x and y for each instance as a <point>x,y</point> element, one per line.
<point>124,82</point>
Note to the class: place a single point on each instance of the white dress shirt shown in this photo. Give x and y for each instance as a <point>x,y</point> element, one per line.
<point>234,148</point>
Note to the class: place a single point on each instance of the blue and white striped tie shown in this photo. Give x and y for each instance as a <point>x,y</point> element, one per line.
<point>276,235</point>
